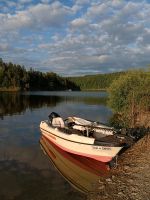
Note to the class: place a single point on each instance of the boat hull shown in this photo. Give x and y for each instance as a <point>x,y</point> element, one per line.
<point>79,145</point>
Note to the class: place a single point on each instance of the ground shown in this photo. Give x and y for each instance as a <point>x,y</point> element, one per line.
<point>130,180</point>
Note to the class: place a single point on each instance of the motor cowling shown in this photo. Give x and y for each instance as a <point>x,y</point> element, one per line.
<point>56,120</point>
<point>52,116</point>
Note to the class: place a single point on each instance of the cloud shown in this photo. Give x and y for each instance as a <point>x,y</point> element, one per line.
<point>46,1</point>
<point>97,10</point>
<point>36,17</point>
<point>82,2</point>
<point>4,47</point>
<point>79,22</point>
<point>11,3</point>
<point>80,37</point>
<point>24,1</point>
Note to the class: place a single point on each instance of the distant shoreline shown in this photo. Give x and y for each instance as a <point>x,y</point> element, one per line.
<point>17,89</point>
<point>92,90</point>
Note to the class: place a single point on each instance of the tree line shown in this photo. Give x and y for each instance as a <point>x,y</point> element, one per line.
<point>16,77</point>
<point>95,82</point>
<point>129,92</point>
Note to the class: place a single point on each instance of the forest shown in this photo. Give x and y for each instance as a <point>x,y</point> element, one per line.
<point>95,82</point>
<point>129,92</point>
<point>15,77</point>
<point>128,95</point>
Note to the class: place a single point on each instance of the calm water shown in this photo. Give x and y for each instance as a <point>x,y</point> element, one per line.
<point>25,171</point>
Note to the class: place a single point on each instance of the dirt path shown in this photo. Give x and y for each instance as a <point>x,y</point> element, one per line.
<point>131,179</point>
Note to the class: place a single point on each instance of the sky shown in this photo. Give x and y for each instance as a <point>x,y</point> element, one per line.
<point>76,37</point>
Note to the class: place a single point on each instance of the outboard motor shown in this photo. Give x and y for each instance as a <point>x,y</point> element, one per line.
<point>52,116</point>
<point>56,120</point>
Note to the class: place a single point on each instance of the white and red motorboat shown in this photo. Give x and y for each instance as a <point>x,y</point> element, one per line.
<point>86,139</point>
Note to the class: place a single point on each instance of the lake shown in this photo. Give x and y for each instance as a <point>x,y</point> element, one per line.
<point>26,173</point>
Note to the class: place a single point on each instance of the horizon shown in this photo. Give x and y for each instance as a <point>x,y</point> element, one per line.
<point>76,76</point>
<point>76,37</point>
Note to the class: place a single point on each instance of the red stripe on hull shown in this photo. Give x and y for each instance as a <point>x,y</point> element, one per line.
<point>96,167</point>
<point>98,158</point>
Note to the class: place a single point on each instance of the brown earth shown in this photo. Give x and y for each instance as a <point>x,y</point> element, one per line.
<point>143,119</point>
<point>130,180</point>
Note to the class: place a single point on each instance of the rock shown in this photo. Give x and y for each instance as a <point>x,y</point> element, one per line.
<point>126,167</point>
<point>113,177</point>
<point>108,180</point>
<point>101,187</point>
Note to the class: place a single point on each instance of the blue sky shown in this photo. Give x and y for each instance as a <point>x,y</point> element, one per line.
<point>75,37</point>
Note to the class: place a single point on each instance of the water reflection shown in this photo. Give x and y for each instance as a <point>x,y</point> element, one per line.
<point>17,103</point>
<point>81,172</point>
<point>22,163</point>
<point>20,181</point>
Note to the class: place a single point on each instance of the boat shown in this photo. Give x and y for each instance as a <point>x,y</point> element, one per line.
<point>91,139</point>
<point>84,125</point>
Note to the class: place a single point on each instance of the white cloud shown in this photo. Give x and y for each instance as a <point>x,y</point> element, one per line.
<point>86,37</point>
<point>11,3</point>
<point>103,58</point>
<point>79,22</point>
<point>24,1</point>
<point>82,2</point>
<point>38,16</point>
<point>4,47</point>
<point>97,9</point>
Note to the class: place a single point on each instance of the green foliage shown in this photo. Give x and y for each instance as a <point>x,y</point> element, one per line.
<point>95,82</point>
<point>1,75</point>
<point>117,121</point>
<point>130,96</point>
<point>15,76</point>
<point>12,75</point>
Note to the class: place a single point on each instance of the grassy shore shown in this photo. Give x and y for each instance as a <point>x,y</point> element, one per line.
<point>10,89</point>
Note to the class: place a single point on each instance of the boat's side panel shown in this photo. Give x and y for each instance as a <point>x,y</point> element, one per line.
<point>71,137</point>
<point>101,153</point>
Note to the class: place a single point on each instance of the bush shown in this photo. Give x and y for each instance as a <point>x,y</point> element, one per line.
<point>129,96</point>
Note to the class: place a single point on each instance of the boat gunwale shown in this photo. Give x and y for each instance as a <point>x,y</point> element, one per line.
<point>96,142</point>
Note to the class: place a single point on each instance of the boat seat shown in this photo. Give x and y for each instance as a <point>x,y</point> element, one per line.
<point>58,122</point>
<point>78,127</point>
